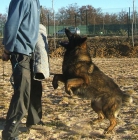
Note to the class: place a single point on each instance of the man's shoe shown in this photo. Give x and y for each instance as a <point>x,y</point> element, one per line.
<point>39,123</point>
<point>16,138</point>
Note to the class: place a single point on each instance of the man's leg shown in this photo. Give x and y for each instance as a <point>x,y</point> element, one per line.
<point>21,97</point>
<point>35,107</point>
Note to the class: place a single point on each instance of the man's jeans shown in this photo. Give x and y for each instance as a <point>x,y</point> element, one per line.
<point>26,99</point>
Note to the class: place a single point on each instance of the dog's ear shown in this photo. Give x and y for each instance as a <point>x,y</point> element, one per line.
<point>83,39</point>
<point>82,42</point>
<point>68,33</point>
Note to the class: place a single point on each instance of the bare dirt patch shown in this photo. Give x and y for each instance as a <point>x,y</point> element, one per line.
<point>71,118</point>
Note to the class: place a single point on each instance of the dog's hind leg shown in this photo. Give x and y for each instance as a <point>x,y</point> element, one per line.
<point>97,107</point>
<point>73,83</point>
<point>111,111</point>
<point>113,123</point>
<point>57,77</point>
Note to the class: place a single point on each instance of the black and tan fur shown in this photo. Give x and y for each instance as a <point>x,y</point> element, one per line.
<point>83,78</point>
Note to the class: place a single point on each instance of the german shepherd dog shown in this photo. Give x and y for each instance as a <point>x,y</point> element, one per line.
<point>83,78</point>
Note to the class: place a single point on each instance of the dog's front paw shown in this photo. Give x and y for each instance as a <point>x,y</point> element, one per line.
<point>55,84</point>
<point>55,81</point>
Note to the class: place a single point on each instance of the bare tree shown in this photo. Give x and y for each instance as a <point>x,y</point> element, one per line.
<point>122,17</point>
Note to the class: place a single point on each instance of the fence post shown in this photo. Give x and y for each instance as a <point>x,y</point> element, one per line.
<point>86,21</point>
<point>128,29</point>
<point>75,19</point>
<point>48,24</point>
<point>133,26</point>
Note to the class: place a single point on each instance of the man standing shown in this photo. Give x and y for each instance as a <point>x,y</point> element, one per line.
<point>20,37</point>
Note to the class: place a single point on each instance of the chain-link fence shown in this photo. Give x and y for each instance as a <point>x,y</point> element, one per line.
<point>108,22</point>
<point>117,23</point>
<point>1,29</point>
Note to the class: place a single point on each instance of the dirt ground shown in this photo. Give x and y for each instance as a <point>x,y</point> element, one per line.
<point>71,118</point>
<point>102,47</point>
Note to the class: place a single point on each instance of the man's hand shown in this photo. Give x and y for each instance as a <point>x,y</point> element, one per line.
<point>5,55</point>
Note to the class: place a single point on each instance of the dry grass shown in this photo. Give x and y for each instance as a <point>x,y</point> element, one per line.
<point>71,118</point>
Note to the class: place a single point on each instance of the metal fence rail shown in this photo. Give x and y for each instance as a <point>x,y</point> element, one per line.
<point>119,22</point>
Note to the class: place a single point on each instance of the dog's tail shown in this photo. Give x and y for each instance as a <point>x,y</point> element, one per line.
<point>127,99</point>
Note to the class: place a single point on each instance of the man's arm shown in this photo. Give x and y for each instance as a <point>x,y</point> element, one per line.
<point>17,10</point>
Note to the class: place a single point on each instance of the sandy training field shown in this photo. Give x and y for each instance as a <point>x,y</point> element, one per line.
<point>71,118</point>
